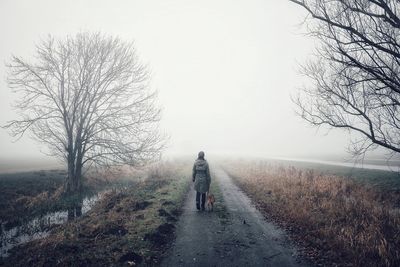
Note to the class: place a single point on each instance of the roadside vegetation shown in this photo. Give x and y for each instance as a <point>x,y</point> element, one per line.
<point>219,206</point>
<point>336,220</point>
<point>130,226</point>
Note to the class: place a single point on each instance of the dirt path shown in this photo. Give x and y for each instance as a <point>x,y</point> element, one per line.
<point>240,237</point>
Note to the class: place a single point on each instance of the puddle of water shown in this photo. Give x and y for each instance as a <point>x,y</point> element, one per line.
<point>40,227</point>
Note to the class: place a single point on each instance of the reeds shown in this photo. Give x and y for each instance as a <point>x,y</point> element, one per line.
<point>337,221</point>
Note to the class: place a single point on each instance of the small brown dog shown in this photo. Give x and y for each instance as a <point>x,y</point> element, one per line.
<point>210,202</point>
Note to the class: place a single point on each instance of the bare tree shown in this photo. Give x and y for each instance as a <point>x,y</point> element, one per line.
<point>87,98</point>
<point>356,81</point>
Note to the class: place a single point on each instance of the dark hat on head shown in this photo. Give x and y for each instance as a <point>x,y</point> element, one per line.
<point>201,155</point>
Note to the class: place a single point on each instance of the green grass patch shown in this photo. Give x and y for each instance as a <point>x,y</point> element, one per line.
<point>219,208</point>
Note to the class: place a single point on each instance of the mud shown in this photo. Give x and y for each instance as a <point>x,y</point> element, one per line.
<point>141,205</point>
<point>162,235</point>
<point>167,215</point>
<point>130,258</point>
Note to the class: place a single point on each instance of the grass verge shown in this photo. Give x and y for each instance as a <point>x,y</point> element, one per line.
<point>133,226</point>
<point>337,221</point>
<point>219,207</point>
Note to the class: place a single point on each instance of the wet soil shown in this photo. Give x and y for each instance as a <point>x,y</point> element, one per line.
<point>235,236</point>
<point>128,227</point>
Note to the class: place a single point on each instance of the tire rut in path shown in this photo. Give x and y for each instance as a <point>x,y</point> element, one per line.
<point>244,238</point>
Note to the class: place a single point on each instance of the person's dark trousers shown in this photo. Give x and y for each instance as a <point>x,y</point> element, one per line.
<point>203,200</point>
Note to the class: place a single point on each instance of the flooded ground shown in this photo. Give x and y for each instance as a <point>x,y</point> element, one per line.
<point>40,227</point>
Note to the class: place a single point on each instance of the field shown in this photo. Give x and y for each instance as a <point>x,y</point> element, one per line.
<point>386,180</point>
<point>338,221</point>
<point>337,216</point>
<point>25,195</point>
<point>129,225</point>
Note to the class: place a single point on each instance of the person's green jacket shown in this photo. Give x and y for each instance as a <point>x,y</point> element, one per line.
<point>201,176</point>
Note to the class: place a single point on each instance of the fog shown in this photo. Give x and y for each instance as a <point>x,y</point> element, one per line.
<point>224,70</point>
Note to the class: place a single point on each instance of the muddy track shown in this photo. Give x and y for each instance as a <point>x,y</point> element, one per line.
<point>240,237</point>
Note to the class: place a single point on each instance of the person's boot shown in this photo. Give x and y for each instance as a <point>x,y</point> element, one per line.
<point>198,205</point>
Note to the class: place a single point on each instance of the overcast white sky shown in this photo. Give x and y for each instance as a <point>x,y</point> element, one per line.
<point>225,70</point>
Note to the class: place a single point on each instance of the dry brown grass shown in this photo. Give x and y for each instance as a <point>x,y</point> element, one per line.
<point>24,196</point>
<point>337,221</point>
<point>131,226</point>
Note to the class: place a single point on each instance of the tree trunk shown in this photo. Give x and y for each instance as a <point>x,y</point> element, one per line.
<point>74,184</point>
<point>78,177</point>
<point>74,178</point>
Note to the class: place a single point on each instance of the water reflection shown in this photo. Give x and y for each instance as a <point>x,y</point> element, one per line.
<point>40,227</point>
